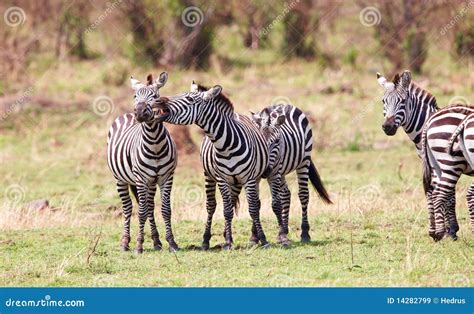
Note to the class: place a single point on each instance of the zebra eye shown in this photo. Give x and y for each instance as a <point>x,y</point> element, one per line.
<point>189,98</point>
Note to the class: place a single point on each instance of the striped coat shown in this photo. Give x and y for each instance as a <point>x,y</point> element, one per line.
<point>141,155</point>
<point>234,153</point>
<point>444,161</point>
<point>409,106</point>
<point>295,148</point>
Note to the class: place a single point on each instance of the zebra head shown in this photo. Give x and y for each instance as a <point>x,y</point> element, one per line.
<point>269,120</point>
<point>146,96</point>
<point>189,108</point>
<point>394,100</point>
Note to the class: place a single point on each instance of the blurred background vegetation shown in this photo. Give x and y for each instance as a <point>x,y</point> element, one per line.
<point>117,36</point>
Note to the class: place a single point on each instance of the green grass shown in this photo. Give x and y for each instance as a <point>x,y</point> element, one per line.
<point>394,252</point>
<point>374,235</point>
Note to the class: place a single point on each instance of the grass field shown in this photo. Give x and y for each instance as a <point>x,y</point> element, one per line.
<point>374,235</point>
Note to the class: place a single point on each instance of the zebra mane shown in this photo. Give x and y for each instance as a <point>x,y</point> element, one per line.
<point>415,86</point>
<point>222,97</point>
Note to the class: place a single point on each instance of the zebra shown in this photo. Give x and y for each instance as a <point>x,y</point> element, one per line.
<point>269,123</point>
<point>234,153</point>
<point>296,146</point>
<point>464,136</point>
<point>413,108</point>
<point>141,154</point>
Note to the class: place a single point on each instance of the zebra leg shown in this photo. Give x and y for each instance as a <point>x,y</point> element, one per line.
<point>165,190</point>
<point>228,213</point>
<point>470,204</point>
<point>429,200</point>
<point>452,226</point>
<point>442,193</point>
<point>253,199</point>
<point>211,208</point>
<point>142,190</point>
<point>285,204</point>
<point>303,194</point>
<point>151,217</point>
<point>275,186</point>
<point>127,206</point>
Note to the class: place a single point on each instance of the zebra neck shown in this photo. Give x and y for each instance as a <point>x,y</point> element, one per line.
<point>152,134</point>
<point>222,130</point>
<point>420,107</point>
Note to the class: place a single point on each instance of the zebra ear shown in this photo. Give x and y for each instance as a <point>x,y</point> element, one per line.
<point>384,83</point>
<point>161,81</point>
<point>382,80</point>
<point>406,79</point>
<point>149,79</point>
<point>396,79</point>
<point>194,87</point>
<point>212,92</point>
<point>136,84</point>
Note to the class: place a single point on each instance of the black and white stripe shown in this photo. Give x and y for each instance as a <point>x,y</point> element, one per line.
<point>295,148</point>
<point>464,137</point>
<point>415,109</point>
<point>141,154</point>
<point>234,153</point>
<point>269,122</point>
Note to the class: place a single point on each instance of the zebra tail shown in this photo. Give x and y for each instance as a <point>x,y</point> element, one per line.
<point>318,184</point>
<point>455,135</point>
<point>426,162</point>
<point>237,206</point>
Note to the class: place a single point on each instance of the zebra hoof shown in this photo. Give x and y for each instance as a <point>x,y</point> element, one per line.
<point>452,236</point>
<point>266,246</point>
<point>438,236</point>
<point>138,250</point>
<point>124,248</point>
<point>227,247</point>
<point>305,238</point>
<point>253,243</point>
<point>205,246</point>
<point>157,247</point>
<point>283,240</point>
<point>253,240</point>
